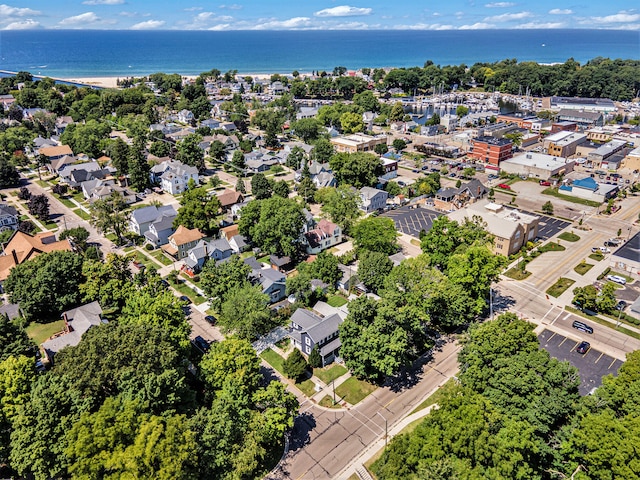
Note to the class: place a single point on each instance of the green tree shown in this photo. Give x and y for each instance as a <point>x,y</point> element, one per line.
<point>14,340</point>
<point>340,204</point>
<point>190,153</point>
<point>46,285</point>
<point>399,144</point>
<point>39,207</point>
<point>240,186</point>
<point>308,129</point>
<point>78,235</point>
<point>607,300</point>
<point>547,208</point>
<point>322,150</point>
<point>108,215</point>
<point>118,151</point>
<point>307,189</point>
<point>351,122</point>
<point>462,111</point>
<point>294,366</point>
<point>315,360</point>
<point>16,376</point>
<point>381,148</point>
<point>216,280</point>
<point>376,234</point>
<point>357,169</point>
<point>238,161</point>
<point>397,112</point>
<point>295,158</point>
<point>217,150</point>
<point>373,267</point>
<point>138,167</point>
<point>108,282</point>
<point>281,188</point>
<point>367,100</point>
<point>274,224</point>
<point>245,312</point>
<point>261,186</point>
<point>198,209</point>
<point>232,359</point>
<point>585,297</point>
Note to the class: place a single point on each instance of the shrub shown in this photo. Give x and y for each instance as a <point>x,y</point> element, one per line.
<point>315,360</point>
<point>295,365</point>
<point>148,247</point>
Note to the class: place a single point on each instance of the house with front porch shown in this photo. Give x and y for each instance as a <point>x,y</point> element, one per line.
<point>216,250</point>
<point>324,236</point>
<point>9,217</point>
<point>183,240</point>
<point>142,218</point>
<point>372,199</point>
<point>176,176</point>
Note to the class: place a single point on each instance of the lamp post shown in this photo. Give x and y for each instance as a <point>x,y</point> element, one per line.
<point>619,315</point>
<point>386,430</point>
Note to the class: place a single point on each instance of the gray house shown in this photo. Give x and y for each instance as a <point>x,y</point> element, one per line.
<point>272,282</point>
<point>318,328</point>
<point>142,218</point>
<point>372,199</point>
<point>9,217</point>
<point>216,250</point>
<point>160,231</point>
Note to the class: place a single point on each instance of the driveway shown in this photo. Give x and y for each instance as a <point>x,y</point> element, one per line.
<point>411,219</point>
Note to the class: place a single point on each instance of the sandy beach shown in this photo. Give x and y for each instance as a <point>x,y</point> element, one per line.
<point>112,82</point>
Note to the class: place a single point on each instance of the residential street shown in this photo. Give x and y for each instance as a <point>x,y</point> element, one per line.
<point>325,442</point>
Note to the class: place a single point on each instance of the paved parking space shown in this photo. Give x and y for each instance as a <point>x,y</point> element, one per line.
<point>412,220</point>
<point>549,226</point>
<point>592,366</point>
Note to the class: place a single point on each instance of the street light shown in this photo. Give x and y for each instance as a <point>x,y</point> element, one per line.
<point>386,430</point>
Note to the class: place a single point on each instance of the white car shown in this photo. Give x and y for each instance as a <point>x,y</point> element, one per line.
<point>617,279</point>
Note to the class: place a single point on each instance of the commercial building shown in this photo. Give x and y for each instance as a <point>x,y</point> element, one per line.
<point>603,134</point>
<point>511,228</point>
<point>632,160</point>
<point>627,257</point>
<point>564,127</point>
<point>566,145</point>
<point>491,150</point>
<point>602,153</point>
<point>357,143</point>
<point>601,105</point>
<point>582,118</point>
<point>589,189</point>
<point>538,165</point>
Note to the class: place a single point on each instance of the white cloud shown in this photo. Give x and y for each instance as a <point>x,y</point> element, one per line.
<point>148,25</point>
<point>193,9</point>
<point>231,7</point>
<point>560,11</point>
<point>507,17</point>
<point>9,11</point>
<point>103,2</point>
<point>343,11</point>
<point>541,25</point>
<point>500,5</point>
<point>23,25</point>
<point>620,17</point>
<point>290,24</point>
<point>79,20</point>
<point>424,26</point>
<point>476,26</point>
<point>221,27</point>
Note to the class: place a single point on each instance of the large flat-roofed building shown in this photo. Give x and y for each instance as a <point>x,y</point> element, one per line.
<point>538,165</point>
<point>603,134</point>
<point>632,160</point>
<point>357,143</point>
<point>605,151</point>
<point>567,145</point>
<point>564,127</point>
<point>582,118</point>
<point>491,150</point>
<point>589,189</point>
<point>511,228</point>
<point>602,105</point>
<point>627,257</point>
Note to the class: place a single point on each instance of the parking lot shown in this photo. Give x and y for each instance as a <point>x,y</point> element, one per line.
<point>412,221</point>
<point>549,226</point>
<point>592,365</point>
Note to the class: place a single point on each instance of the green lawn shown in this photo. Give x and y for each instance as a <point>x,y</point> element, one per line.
<point>623,275</point>
<point>327,401</point>
<point>51,225</point>
<point>307,387</point>
<point>354,391</point>
<point>328,374</point>
<point>551,247</point>
<point>161,257</point>
<point>39,332</point>
<point>552,191</point>
<point>436,396</point>
<point>83,215</point>
<point>273,359</point>
<point>583,268</point>
<point>517,273</point>
<point>67,203</point>
<point>596,256</point>
<point>560,287</point>
<point>569,236</point>
<point>264,259</point>
<point>336,301</point>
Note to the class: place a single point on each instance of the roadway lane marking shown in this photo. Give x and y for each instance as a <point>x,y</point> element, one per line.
<point>389,403</point>
<point>601,355</point>
<point>566,316</point>
<point>557,316</point>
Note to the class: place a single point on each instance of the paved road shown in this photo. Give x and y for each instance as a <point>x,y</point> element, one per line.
<point>326,441</point>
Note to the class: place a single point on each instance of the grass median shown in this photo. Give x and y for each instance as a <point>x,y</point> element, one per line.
<point>560,287</point>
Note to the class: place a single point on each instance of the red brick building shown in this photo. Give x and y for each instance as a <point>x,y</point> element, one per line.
<point>491,150</point>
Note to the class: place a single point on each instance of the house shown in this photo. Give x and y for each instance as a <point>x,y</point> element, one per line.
<point>216,250</point>
<point>62,123</point>
<point>372,199</point>
<point>237,242</point>
<point>228,198</point>
<point>93,190</point>
<point>318,328</point>
<point>186,116</point>
<point>9,217</point>
<point>176,175</point>
<point>59,164</point>
<point>74,175</point>
<point>77,322</point>
<point>448,199</point>
<point>277,88</point>
<point>282,264</point>
<point>211,123</point>
<point>159,231</point>
<point>57,152</point>
<point>6,101</point>
<point>324,236</point>
<point>511,228</point>
<point>272,282</point>
<point>181,241</point>
<point>142,218</point>
<point>22,247</point>
<point>349,277</point>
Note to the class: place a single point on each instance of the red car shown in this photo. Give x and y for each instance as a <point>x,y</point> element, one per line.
<point>504,186</point>
<point>544,183</point>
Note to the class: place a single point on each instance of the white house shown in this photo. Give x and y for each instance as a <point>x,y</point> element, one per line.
<point>372,199</point>
<point>176,176</point>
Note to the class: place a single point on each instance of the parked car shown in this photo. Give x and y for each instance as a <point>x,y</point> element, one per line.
<point>452,175</point>
<point>600,249</point>
<point>583,327</point>
<point>492,176</point>
<point>583,348</point>
<point>621,305</point>
<point>544,183</point>
<point>617,279</point>
<point>210,319</point>
<point>504,186</point>
<point>201,344</point>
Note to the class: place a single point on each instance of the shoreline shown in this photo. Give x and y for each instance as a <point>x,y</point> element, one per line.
<point>111,81</point>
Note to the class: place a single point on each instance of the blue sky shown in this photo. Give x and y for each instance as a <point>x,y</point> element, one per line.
<point>318,15</point>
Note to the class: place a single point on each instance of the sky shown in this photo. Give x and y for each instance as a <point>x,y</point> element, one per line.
<point>318,15</point>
